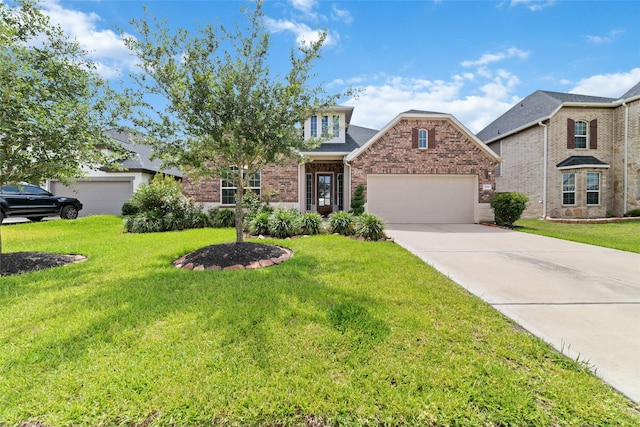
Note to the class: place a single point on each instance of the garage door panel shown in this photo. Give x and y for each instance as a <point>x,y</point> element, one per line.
<point>97,197</point>
<point>422,198</point>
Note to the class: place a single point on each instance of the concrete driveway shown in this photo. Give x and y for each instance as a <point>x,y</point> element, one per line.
<point>584,300</point>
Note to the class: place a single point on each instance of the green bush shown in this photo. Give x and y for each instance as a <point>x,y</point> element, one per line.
<point>341,223</point>
<point>259,224</point>
<point>369,226</point>
<point>633,212</point>
<point>161,206</point>
<point>222,218</point>
<point>283,224</point>
<point>310,223</point>
<point>508,207</point>
<point>357,204</point>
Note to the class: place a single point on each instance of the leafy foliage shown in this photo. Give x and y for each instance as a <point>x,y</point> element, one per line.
<point>357,204</point>
<point>508,207</point>
<point>260,224</point>
<point>283,224</point>
<point>310,223</point>
<point>224,108</point>
<point>341,223</point>
<point>222,218</point>
<point>55,107</point>
<point>369,226</point>
<point>633,212</point>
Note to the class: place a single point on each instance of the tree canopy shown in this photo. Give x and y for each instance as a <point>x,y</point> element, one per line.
<point>220,105</point>
<point>54,107</point>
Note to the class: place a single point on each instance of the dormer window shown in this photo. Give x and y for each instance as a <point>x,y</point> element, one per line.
<point>336,126</point>
<point>580,134</point>
<point>325,126</point>
<point>314,126</point>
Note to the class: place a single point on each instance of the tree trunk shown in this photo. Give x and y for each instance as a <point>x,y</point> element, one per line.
<point>239,200</point>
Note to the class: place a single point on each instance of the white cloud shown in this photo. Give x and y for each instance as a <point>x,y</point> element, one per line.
<point>610,37</point>
<point>342,15</point>
<point>387,96</point>
<point>106,47</point>
<point>489,58</point>
<point>611,85</point>
<point>304,34</point>
<point>305,6</point>
<point>533,5</point>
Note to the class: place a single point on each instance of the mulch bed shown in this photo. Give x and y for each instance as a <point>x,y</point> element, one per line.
<point>25,262</point>
<point>234,256</point>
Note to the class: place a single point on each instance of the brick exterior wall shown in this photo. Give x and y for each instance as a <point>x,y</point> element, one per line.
<point>633,156</point>
<point>282,177</point>
<point>455,153</point>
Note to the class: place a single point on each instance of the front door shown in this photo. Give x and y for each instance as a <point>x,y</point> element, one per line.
<point>325,199</point>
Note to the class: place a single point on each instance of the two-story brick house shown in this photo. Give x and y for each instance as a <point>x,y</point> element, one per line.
<point>574,156</point>
<point>421,167</point>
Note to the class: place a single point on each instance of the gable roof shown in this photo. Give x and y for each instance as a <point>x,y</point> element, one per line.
<point>140,159</point>
<point>421,115</point>
<point>634,92</point>
<point>536,107</point>
<point>356,137</point>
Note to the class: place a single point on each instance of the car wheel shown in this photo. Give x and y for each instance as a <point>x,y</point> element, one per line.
<point>1,217</point>
<point>69,212</point>
<point>35,218</point>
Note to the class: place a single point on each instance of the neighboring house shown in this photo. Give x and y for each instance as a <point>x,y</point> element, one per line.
<point>104,191</point>
<point>574,156</point>
<point>421,167</point>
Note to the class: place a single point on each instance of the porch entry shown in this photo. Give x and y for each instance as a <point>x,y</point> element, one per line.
<point>325,195</point>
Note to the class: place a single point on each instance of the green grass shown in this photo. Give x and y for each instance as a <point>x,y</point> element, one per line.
<point>616,235</point>
<point>344,333</point>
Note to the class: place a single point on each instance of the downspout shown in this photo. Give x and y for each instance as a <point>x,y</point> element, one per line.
<point>544,169</point>
<point>626,154</point>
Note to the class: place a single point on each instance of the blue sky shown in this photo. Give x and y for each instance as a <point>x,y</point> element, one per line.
<point>472,59</point>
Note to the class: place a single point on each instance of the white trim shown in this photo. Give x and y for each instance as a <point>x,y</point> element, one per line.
<point>562,168</point>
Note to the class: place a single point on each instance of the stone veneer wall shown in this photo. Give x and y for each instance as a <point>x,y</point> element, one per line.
<point>455,154</point>
<point>633,159</point>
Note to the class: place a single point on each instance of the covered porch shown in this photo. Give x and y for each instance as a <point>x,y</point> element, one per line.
<point>324,186</point>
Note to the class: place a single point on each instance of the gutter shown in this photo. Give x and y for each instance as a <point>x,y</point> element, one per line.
<point>544,169</point>
<point>626,154</point>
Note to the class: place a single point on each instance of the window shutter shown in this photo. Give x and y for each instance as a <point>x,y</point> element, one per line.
<point>431,142</point>
<point>571,129</point>
<point>593,134</point>
<point>414,138</point>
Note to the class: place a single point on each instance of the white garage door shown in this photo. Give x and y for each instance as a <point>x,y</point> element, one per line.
<point>97,197</point>
<point>415,199</point>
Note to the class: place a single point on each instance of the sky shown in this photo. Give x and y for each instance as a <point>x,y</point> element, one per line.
<point>471,59</point>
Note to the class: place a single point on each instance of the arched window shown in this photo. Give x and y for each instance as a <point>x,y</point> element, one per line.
<point>422,138</point>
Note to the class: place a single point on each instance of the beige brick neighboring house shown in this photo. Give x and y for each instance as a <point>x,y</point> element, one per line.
<point>574,156</point>
<point>422,167</point>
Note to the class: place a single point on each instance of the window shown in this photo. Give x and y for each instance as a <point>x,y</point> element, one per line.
<point>422,138</point>
<point>309,192</point>
<point>568,188</point>
<point>314,126</point>
<point>340,184</point>
<point>325,126</point>
<point>580,134</point>
<point>336,126</point>
<point>228,186</point>
<point>593,188</point>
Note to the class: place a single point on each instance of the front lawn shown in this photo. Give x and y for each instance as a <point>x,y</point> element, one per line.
<point>344,333</point>
<point>616,235</point>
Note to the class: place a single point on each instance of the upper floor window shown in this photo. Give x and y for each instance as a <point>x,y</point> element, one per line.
<point>325,126</point>
<point>336,126</point>
<point>593,188</point>
<point>568,188</point>
<point>580,134</point>
<point>314,126</point>
<point>422,138</point>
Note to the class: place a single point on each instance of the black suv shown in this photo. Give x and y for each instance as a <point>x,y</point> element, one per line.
<point>35,203</point>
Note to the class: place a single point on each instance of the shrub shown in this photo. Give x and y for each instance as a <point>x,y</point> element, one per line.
<point>633,212</point>
<point>310,223</point>
<point>259,224</point>
<point>129,208</point>
<point>341,223</point>
<point>508,207</point>
<point>370,226</point>
<point>283,224</point>
<point>222,218</point>
<point>357,204</point>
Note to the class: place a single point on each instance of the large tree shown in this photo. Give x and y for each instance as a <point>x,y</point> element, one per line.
<point>54,107</point>
<point>210,102</point>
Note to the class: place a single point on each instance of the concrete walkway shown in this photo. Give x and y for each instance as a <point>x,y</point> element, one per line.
<point>583,300</point>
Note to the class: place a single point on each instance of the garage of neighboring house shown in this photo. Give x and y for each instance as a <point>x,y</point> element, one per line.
<point>104,196</point>
<point>413,199</point>
<point>425,167</point>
